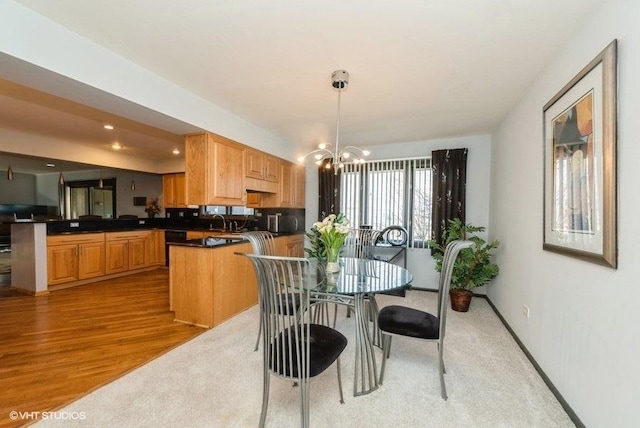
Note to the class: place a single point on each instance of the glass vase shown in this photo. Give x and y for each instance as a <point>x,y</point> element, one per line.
<point>332,260</point>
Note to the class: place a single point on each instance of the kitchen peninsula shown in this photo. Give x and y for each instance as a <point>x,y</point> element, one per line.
<point>209,283</point>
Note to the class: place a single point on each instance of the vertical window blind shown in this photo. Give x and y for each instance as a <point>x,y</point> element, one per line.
<point>389,193</point>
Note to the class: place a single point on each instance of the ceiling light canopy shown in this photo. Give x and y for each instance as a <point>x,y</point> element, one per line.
<point>338,157</point>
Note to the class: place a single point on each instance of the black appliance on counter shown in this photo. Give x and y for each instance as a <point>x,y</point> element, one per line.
<point>172,236</point>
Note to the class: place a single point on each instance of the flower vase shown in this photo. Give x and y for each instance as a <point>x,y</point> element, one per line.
<point>151,215</point>
<point>332,260</point>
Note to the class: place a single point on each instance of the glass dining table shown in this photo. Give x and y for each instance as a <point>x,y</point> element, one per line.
<point>355,285</point>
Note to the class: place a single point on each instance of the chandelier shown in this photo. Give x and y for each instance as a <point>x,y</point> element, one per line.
<point>336,156</point>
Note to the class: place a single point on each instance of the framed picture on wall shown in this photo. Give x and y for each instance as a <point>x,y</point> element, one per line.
<point>580,170</point>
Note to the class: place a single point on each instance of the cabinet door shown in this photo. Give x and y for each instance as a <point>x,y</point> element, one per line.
<point>168,193</point>
<point>179,191</point>
<point>254,200</point>
<point>62,263</point>
<point>285,194</point>
<point>173,190</point>
<point>299,186</point>
<point>91,260</point>
<point>254,160</point>
<point>295,246</point>
<point>271,169</point>
<point>117,256</point>
<point>226,175</point>
<point>215,170</point>
<point>155,247</point>
<point>137,253</point>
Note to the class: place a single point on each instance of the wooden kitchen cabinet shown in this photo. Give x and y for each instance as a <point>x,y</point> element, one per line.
<point>291,188</point>
<point>174,191</point>
<point>290,245</point>
<point>294,246</point>
<point>214,170</point>
<point>126,251</point>
<point>156,247</point>
<point>263,171</point>
<point>210,285</point>
<point>75,257</point>
<point>299,178</point>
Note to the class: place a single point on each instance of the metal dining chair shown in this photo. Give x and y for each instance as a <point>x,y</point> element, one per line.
<point>262,243</point>
<point>294,348</point>
<point>360,243</point>
<point>403,321</point>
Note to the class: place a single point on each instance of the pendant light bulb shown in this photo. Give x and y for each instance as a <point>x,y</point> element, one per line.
<point>133,185</point>
<point>100,183</point>
<point>10,174</point>
<point>61,180</point>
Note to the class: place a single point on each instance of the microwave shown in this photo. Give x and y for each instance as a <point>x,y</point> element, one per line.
<point>282,223</point>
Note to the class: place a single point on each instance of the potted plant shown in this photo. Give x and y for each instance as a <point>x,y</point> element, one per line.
<point>473,266</point>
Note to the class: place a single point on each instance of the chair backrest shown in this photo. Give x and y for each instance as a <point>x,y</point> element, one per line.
<point>128,216</point>
<point>359,243</point>
<point>396,236</point>
<point>448,260</point>
<point>284,314</point>
<point>262,242</point>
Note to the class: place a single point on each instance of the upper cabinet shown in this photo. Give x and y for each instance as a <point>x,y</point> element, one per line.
<point>263,171</point>
<point>174,191</point>
<point>220,171</point>
<point>215,170</point>
<point>291,188</point>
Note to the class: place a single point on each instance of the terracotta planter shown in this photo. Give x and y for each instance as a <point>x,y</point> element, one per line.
<point>460,300</point>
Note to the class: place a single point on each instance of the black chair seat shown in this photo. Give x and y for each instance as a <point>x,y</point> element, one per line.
<point>325,347</point>
<point>408,322</point>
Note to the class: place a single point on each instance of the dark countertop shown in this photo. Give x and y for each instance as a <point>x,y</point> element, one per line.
<point>207,242</point>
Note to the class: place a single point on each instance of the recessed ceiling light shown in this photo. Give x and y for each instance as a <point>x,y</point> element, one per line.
<point>50,165</point>
<point>176,152</point>
<point>109,127</point>
<point>116,146</point>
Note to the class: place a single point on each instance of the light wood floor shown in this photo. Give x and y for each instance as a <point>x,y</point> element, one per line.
<point>56,348</point>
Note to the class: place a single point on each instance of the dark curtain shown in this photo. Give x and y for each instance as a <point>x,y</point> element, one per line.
<point>449,181</point>
<point>328,190</point>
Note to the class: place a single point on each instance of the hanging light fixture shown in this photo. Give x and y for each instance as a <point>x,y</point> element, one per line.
<point>338,157</point>
<point>133,185</point>
<point>61,180</point>
<point>10,174</point>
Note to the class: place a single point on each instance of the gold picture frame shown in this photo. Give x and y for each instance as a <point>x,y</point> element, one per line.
<point>580,168</point>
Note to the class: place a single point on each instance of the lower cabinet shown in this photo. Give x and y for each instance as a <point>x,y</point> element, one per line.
<point>290,245</point>
<point>86,257</point>
<point>75,257</point>
<point>207,286</point>
<point>127,250</point>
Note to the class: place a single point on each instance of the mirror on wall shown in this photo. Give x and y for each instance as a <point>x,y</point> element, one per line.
<point>90,198</point>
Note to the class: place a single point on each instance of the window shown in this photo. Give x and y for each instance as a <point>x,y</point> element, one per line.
<point>389,193</point>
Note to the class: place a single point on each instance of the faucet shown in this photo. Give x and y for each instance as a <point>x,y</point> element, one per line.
<point>224,224</point>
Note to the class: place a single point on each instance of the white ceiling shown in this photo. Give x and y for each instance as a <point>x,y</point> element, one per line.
<point>419,69</point>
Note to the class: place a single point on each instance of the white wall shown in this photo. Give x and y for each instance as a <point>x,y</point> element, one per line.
<point>584,320</point>
<point>61,62</point>
<point>419,261</point>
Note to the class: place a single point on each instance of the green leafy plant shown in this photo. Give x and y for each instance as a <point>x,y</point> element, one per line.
<point>329,233</point>
<point>473,267</point>
<point>317,250</point>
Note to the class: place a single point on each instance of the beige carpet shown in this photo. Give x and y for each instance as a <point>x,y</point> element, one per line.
<point>215,380</point>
